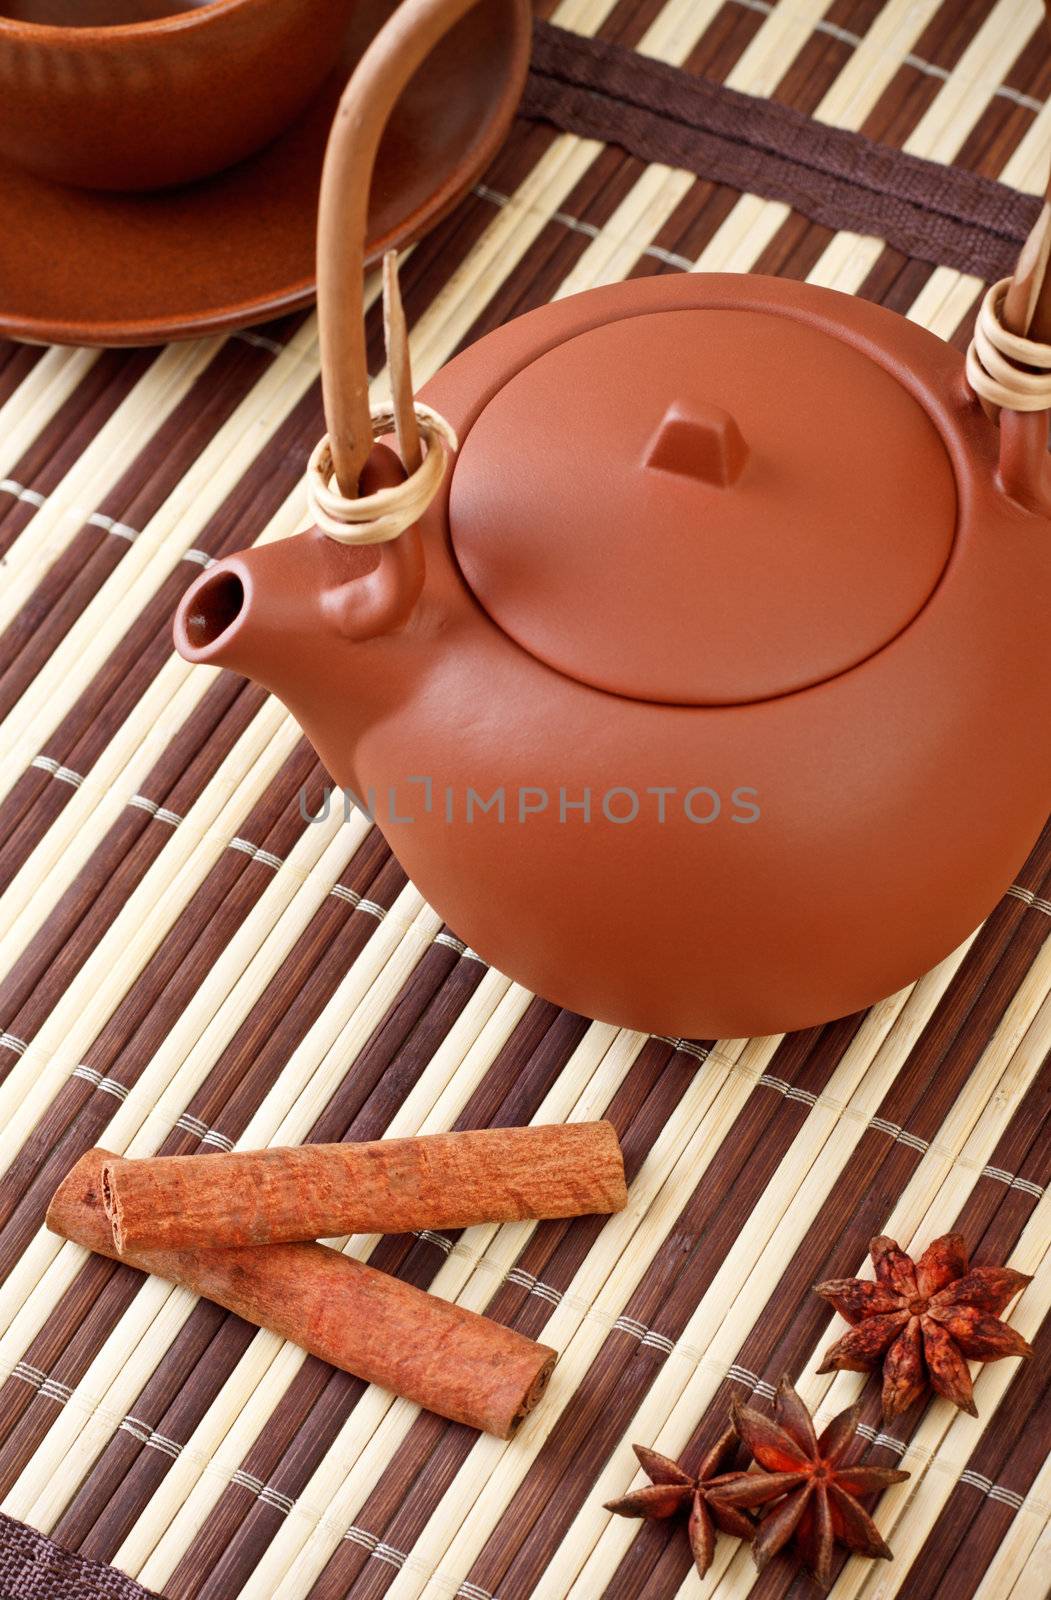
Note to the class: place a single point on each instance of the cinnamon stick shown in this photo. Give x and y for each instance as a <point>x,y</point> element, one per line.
<point>322,1191</point>
<point>447,1359</point>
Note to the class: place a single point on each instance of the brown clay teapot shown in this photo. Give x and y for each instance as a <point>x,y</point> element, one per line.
<point>715,678</point>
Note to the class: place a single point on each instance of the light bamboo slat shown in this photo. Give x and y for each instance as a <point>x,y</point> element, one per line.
<point>159,548</point>
<point>28,411</point>
<point>1020,1564</point>
<point>940,133</point>
<point>80,493</point>
<point>227,1431</point>
<point>140,925</point>
<point>709,1343</point>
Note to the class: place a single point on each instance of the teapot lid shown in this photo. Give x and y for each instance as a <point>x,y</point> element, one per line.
<point>703,506</point>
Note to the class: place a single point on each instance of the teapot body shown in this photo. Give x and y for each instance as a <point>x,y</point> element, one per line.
<point>724,869</point>
<point>711,873</point>
<point>720,871</point>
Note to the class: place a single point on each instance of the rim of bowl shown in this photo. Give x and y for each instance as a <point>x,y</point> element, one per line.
<point>56,32</point>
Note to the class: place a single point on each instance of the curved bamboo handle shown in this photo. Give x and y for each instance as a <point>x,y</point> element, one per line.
<point>1027,304</point>
<point>400,47</point>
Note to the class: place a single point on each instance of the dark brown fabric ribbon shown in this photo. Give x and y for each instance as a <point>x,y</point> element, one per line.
<point>842,180</point>
<point>33,1567</point>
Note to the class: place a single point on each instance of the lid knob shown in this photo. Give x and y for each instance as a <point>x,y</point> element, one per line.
<point>698,441</point>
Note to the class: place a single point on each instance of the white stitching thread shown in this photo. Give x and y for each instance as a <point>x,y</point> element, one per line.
<point>452,943</point>
<point>884,1440</point>
<point>1012,1181</point>
<point>273,1497</point>
<point>789,1090</point>
<point>1028,898</point>
<point>845,36</point>
<point>362,1536</point>
<point>430,1237</point>
<point>526,1280</point>
<point>28,1374</point>
<point>122,530</point>
<point>588,229</point>
<point>255,852</point>
<point>150,1437</point>
<point>120,1091</point>
<point>751,1380</point>
<point>158,812</point>
<point>387,1552</point>
<point>649,1338</point>
<point>898,1134</point>
<point>95,519</point>
<point>686,1047</point>
<point>260,340</point>
<point>191,1124</point>
<point>986,1486</point>
<point>32,497</point>
<point>1029,101</point>
<point>56,770</point>
<point>341,892</point>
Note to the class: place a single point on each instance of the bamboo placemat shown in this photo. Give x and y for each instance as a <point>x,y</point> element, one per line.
<point>187,965</point>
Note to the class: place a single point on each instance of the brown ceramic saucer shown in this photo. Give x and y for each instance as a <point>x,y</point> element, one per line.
<point>120,269</point>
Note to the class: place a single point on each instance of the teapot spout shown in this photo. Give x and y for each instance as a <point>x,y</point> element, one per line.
<point>210,616</point>
<point>247,611</point>
<point>278,609</point>
<point>266,613</point>
<point>324,626</point>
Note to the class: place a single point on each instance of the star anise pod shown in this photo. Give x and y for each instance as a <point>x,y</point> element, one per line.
<point>922,1321</point>
<point>672,1490</point>
<point>808,1492</point>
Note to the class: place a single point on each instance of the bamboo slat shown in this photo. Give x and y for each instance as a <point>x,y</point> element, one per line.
<point>239,998</point>
<point>50,382</point>
<point>82,490</point>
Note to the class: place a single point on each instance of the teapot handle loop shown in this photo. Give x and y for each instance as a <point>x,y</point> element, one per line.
<point>400,47</point>
<point>1009,368</point>
<point>1010,373</point>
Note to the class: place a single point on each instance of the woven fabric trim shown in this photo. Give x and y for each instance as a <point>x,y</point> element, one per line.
<point>841,180</point>
<point>33,1567</point>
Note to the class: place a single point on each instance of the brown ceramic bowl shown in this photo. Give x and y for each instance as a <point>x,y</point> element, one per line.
<point>149,104</point>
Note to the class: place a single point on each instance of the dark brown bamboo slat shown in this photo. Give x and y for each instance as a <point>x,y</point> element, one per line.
<point>858,1196</point>
<point>974,1522</point>
<point>525,1068</point>
<point>16,363</point>
<point>656,1566</point>
<point>138,1023</point>
<point>169,1408</point>
<point>803,1315</point>
<point>346,940</point>
<point>89,559</point>
<point>132,844</point>
<point>204,1381</point>
<point>57,447</point>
